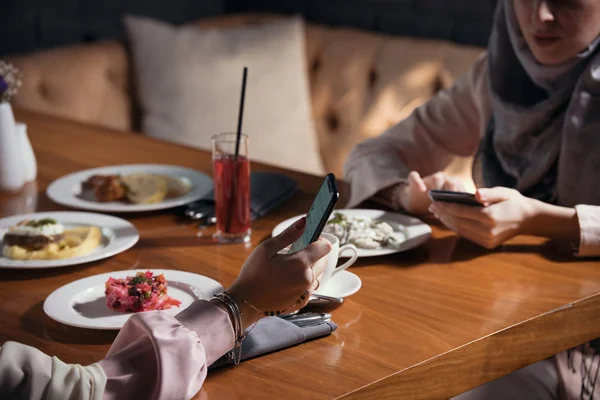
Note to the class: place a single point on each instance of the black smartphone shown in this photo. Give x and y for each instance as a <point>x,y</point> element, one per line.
<point>448,196</point>
<point>200,210</point>
<point>319,213</point>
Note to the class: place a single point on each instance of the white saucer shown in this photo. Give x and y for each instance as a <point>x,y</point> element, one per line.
<point>414,230</point>
<point>342,284</point>
<point>67,189</point>
<point>118,235</point>
<point>82,303</point>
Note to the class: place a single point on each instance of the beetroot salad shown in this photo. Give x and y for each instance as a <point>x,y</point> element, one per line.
<point>142,292</point>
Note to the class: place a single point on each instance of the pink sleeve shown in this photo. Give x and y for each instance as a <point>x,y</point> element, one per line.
<point>589,227</point>
<point>27,373</point>
<point>157,356</point>
<point>450,124</point>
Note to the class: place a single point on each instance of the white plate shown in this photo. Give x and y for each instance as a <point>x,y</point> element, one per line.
<point>415,231</point>
<point>118,235</point>
<point>67,190</point>
<point>82,303</point>
<point>342,284</point>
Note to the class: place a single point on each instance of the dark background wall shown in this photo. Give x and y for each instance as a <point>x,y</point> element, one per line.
<point>26,25</point>
<point>463,21</point>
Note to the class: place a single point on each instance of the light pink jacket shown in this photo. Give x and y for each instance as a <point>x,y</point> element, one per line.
<point>155,356</point>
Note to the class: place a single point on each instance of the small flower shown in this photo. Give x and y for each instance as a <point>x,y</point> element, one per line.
<point>10,81</point>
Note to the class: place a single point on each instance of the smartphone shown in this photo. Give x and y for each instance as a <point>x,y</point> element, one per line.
<point>200,210</point>
<point>447,196</point>
<point>319,214</point>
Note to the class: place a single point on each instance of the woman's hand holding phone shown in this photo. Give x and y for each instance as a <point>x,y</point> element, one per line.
<point>506,214</point>
<point>270,280</point>
<point>414,196</point>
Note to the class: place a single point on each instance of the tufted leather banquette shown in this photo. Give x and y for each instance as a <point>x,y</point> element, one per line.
<point>361,82</point>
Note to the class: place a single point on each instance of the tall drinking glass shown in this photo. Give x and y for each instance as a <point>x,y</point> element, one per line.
<point>231,179</point>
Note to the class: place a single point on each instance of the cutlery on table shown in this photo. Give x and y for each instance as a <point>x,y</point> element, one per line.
<point>307,319</point>
<point>324,298</point>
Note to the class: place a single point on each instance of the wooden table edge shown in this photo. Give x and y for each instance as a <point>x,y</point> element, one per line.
<point>491,355</point>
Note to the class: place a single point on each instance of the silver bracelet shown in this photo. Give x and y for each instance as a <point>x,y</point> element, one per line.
<point>238,329</point>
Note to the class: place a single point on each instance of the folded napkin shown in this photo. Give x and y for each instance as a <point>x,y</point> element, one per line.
<point>267,191</point>
<point>273,333</point>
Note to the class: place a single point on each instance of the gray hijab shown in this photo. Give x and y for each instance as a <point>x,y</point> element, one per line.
<point>544,135</point>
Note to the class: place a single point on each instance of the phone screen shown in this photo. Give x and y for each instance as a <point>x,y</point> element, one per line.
<point>319,213</point>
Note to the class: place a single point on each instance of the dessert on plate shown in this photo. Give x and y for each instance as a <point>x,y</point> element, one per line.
<point>142,292</point>
<point>47,239</point>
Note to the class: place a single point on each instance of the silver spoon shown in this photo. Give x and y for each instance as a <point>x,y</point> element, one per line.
<point>329,299</point>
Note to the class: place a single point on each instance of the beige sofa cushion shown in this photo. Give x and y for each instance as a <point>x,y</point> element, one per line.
<point>361,82</point>
<point>189,81</point>
<point>89,83</point>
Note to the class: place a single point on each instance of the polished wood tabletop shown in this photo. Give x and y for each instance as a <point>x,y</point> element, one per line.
<point>428,323</point>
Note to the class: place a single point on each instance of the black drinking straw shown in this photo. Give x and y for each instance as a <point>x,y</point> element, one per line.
<point>237,152</point>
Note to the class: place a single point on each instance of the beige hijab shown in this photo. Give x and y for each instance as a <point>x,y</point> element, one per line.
<point>544,135</point>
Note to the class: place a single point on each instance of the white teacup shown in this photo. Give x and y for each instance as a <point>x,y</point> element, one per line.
<point>332,259</point>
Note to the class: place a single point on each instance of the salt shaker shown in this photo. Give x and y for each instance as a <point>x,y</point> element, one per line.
<point>11,165</point>
<point>28,157</point>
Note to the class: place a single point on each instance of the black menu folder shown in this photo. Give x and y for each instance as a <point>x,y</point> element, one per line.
<point>267,191</point>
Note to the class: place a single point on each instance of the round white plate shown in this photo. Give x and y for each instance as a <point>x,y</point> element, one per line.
<point>82,303</point>
<point>342,284</point>
<point>415,231</point>
<point>118,235</point>
<point>67,190</point>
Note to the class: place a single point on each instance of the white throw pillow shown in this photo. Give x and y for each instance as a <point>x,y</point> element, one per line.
<point>189,81</point>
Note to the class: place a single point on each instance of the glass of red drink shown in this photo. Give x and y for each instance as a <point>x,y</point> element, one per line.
<point>231,180</point>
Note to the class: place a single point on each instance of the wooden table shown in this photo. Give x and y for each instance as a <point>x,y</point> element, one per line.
<point>427,324</point>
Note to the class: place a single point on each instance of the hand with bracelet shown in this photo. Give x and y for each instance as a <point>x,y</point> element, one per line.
<point>272,282</point>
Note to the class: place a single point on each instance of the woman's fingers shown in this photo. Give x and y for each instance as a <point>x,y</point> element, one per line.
<point>435,181</point>
<point>477,214</point>
<point>415,180</point>
<point>453,184</point>
<point>415,197</point>
<point>319,267</point>
<point>468,229</point>
<point>314,252</point>
<point>438,180</point>
<point>285,238</point>
<point>494,195</point>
